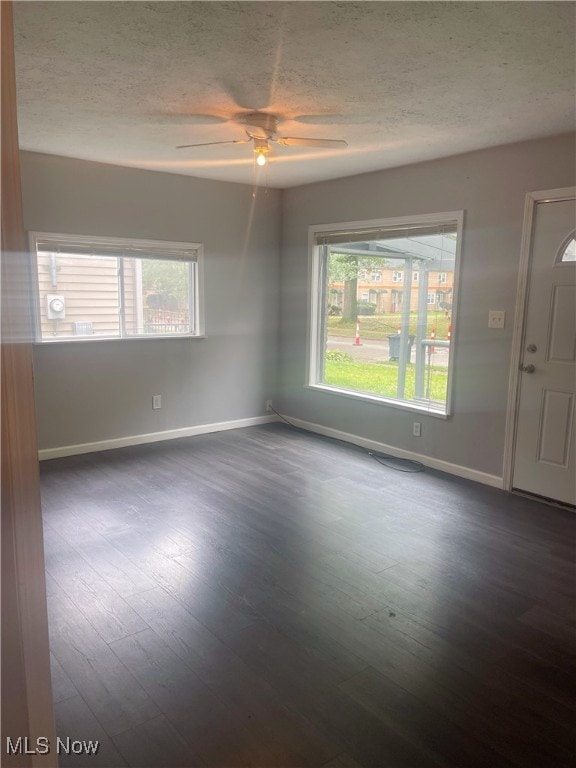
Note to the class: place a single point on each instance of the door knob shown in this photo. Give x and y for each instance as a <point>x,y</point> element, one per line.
<point>531,348</point>
<point>528,368</point>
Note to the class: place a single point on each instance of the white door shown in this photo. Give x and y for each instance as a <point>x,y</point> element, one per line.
<point>545,450</point>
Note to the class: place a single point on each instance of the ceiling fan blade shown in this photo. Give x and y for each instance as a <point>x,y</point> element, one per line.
<point>294,141</point>
<point>249,96</point>
<point>183,118</point>
<point>335,119</point>
<point>211,143</point>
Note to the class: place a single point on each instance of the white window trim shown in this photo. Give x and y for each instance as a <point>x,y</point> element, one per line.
<point>312,329</point>
<point>127,242</point>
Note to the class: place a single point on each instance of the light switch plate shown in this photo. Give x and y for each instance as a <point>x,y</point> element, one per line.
<point>496,318</point>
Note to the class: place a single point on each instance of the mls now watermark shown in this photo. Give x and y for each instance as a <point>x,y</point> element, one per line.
<point>42,746</point>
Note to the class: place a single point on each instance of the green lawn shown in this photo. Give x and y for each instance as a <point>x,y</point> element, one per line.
<point>380,326</point>
<point>382,378</point>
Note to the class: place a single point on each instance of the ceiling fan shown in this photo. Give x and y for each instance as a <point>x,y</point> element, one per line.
<point>262,128</point>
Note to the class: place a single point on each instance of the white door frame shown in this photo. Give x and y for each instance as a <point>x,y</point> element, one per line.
<point>532,198</point>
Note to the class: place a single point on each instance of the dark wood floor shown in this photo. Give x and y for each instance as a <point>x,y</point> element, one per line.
<point>264,597</point>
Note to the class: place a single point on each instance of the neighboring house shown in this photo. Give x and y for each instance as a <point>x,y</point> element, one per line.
<point>385,288</point>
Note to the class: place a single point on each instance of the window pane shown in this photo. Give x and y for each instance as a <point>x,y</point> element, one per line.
<point>569,253</point>
<point>157,297</point>
<point>90,289</point>
<point>402,350</point>
<point>78,296</point>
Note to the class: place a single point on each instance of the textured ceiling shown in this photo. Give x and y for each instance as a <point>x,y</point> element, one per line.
<point>125,82</point>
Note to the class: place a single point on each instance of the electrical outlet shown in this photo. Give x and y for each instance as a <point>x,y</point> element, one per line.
<point>496,318</point>
<point>269,406</point>
<point>156,402</point>
<point>416,429</point>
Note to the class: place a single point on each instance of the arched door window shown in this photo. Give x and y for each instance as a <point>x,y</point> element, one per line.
<point>568,250</point>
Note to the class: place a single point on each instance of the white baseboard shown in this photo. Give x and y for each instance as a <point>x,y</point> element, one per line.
<point>202,429</point>
<point>151,437</point>
<point>428,461</point>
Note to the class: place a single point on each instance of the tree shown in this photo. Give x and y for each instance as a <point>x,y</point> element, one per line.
<point>165,283</point>
<point>343,268</point>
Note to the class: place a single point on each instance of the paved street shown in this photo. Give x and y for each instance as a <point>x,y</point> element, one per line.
<point>375,350</point>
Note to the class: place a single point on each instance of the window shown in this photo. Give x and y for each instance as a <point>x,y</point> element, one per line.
<point>376,276</point>
<point>409,359</point>
<point>415,276</point>
<point>568,253</point>
<point>362,274</point>
<point>365,296</point>
<point>441,278</point>
<point>113,288</point>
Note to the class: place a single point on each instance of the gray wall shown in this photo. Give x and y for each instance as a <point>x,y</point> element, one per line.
<point>92,391</point>
<point>490,186</point>
<point>96,391</point>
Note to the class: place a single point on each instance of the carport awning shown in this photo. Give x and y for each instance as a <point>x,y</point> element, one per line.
<point>434,251</point>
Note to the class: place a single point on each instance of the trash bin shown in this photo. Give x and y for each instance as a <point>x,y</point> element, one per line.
<point>394,346</point>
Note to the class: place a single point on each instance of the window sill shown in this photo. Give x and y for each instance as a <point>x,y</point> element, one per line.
<point>378,400</point>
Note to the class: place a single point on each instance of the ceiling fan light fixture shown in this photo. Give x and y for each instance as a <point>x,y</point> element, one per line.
<point>262,128</point>
<point>261,149</point>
